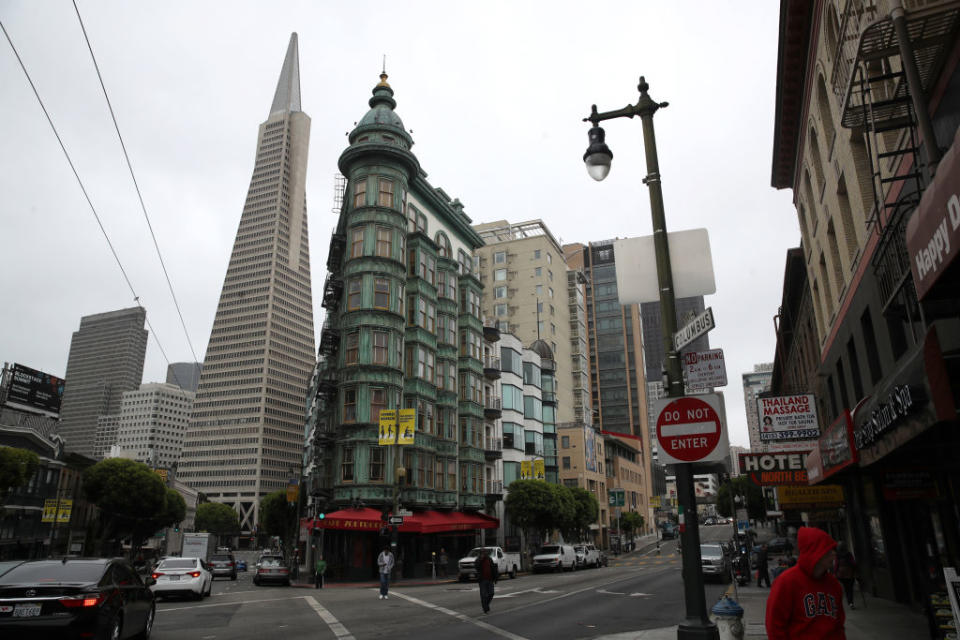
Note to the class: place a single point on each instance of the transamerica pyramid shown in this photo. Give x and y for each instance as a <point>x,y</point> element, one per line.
<point>245,434</point>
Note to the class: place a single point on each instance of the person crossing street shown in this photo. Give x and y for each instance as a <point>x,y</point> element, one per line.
<point>385,565</point>
<point>319,569</point>
<point>487,575</point>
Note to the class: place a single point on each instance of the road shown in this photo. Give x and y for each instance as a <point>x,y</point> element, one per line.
<point>637,591</point>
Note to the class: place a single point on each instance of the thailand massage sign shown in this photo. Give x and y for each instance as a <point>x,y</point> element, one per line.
<point>787,417</point>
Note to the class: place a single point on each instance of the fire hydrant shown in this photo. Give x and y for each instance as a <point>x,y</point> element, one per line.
<point>728,616</point>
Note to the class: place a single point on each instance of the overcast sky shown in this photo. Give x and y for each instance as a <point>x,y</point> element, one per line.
<point>494,93</point>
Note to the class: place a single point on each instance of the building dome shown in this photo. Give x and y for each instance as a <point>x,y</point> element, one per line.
<point>542,349</point>
<point>381,117</point>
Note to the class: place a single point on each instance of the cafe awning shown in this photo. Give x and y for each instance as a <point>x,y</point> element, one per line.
<point>367,519</point>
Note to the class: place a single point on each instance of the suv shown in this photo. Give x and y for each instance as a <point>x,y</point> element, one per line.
<point>668,531</point>
<point>223,564</point>
<point>587,556</point>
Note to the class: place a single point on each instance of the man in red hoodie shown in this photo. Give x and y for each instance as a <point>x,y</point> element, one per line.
<point>807,600</point>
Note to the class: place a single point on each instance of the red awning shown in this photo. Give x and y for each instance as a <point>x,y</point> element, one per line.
<point>367,519</point>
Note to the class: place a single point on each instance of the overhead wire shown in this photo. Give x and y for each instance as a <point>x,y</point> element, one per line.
<point>83,188</point>
<point>136,185</point>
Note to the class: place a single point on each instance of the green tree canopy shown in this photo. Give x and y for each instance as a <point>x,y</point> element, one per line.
<point>631,522</point>
<point>586,511</point>
<point>217,518</point>
<point>530,505</point>
<point>132,499</point>
<point>17,466</point>
<point>275,514</point>
<point>741,486</point>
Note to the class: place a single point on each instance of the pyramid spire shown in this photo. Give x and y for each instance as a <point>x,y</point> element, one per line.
<point>287,97</point>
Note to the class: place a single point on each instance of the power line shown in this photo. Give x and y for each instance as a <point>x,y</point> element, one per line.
<point>76,175</point>
<point>143,206</point>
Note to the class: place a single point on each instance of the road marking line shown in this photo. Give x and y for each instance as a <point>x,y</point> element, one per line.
<point>338,629</point>
<point>224,604</point>
<point>462,617</point>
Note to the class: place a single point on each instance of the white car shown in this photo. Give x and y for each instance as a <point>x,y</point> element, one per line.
<point>182,576</point>
<point>555,557</point>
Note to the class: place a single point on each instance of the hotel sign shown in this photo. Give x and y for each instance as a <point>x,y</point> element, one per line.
<point>775,469</point>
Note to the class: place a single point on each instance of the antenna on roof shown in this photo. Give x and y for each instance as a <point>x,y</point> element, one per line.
<point>384,63</point>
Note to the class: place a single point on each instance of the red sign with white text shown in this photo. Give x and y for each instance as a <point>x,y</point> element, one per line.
<point>691,429</point>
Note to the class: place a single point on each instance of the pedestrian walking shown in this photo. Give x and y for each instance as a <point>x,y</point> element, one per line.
<point>385,565</point>
<point>319,569</point>
<point>763,571</point>
<point>442,569</point>
<point>487,575</point>
<point>846,571</point>
<point>806,601</point>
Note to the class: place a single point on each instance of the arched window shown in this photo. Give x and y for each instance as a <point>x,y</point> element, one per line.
<point>826,116</point>
<point>817,160</point>
<point>443,245</point>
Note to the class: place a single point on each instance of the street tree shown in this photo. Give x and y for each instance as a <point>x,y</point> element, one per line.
<point>133,501</point>
<point>217,518</point>
<point>631,522</point>
<point>275,514</point>
<point>17,466</point>
<point>586,511</point>
<point>530,505</point>
<point>741,487</point>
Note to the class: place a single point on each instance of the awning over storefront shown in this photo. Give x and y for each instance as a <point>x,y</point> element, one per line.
<point>367,519</point>
<point>834,450</point>
<point>933,232</point>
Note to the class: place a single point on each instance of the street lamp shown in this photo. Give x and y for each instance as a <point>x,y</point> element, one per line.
<point>598,157</point>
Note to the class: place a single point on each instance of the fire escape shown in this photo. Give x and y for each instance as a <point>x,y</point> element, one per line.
<point>871,82</point>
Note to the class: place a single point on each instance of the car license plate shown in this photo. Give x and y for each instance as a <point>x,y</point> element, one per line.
<point>26,611</point>
<point>174,577</point>
<point>6,608</point>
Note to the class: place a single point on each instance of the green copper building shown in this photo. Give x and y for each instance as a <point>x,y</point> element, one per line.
<point>403,331</point>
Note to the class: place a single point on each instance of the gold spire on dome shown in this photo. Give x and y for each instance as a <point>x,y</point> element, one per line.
<point>383,81</point>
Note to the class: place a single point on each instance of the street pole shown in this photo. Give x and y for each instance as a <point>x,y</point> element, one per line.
<point>696,625</point>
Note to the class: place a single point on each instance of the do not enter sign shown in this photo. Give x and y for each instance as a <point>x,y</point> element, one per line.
<point>691,429</point>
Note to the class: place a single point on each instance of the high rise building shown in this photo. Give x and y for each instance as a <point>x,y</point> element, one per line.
<point>185,375</point>
<point>735,452</point>
<point>153,420</point>
<point>754,384</point>
<point>245,436</point>
<point>106,359</point>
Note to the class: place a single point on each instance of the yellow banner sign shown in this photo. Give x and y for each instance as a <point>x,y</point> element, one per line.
<point>162,473</point>
<point>49,510</point>
<point>526,470</point>
<point>539,473</point>
<point>293,490</point>
<point>655,501</point>
<point>388,426</point>
<point>66,509</point>
<point>828,495</point>
<point>406,426</point>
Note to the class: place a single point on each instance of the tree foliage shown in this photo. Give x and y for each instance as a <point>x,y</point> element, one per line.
<point>132,499</point>
<point>17,466</point>
<point>741,486</point>
<point>631,522</point>
<point>217,518</point>
<point>541,507</point>
<point>586,511</point>
<point>275,514</point>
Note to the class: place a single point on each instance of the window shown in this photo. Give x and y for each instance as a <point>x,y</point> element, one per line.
<point>443,245</point>
<point>566,463</point>
<point>564,442</point>
<point>538,271</point>
<point>378,401</point>
<point>346,465</point>
<point>553,328</point>
<point>500,292</point>
<point>354,293</point>
<point>539,307</point>
<point>350,405</point>
<point>465,262</point>
<point>360,193</point>
<point>550,291</point>
<point>500,309</point>
<point>439,475</point>
<point>381,293</point>
<point>385,195</point>
<point>500,257</point>
<point>376,464</point>
<point>470,344</point>
<point>500,275</point>
<point>539,289</point>
<point>536,254</point>
<point>384,242</point>
<point>351,351</point>
<point>447,329</point>
<point>356,242</point>
<point>533,408</point>
<point>503,325</point>
<point>451,475</point>
<point>549,274</point>
<point>381,340</point>
<point>533,443</point>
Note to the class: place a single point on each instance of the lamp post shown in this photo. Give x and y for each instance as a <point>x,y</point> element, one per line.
<point>598,157</point>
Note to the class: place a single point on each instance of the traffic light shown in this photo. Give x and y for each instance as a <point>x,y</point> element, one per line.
<point>176,527</point>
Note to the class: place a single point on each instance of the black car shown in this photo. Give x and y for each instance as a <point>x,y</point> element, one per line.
<point>75,598</point>
<point>669,531</point>
<point>780,545</point>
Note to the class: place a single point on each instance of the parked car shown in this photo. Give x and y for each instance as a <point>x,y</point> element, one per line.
<point>780,545</point>
<point>709,522</point>
<point>272,569</point>
<point>587,556</point>
<point>88,597</point>
<point>714,561</point>
<point>223,564</point>
<point>669,531</point>
<point>555,557</point>
<point>241,565</point>
<point>507,563</point>
<point>182,577</point>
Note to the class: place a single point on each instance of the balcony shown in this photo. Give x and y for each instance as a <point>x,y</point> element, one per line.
<point>494,490</point>
<point>491,367</point>
<point>493,448</point>
<point>332,291</point>
<point>548,365</point>
<point>338,244</point>
<point>491,333</point>
<point>327,387</point>
<point>492,408</point>
<point>329,341</point>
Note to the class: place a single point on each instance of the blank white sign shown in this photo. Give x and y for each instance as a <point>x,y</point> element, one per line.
<point>690,261</point>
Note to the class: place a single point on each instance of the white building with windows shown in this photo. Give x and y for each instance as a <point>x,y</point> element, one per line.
<point>152,424</point>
